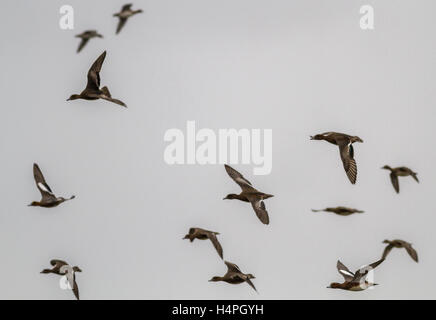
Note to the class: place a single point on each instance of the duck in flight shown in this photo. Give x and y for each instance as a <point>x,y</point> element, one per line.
<point>249,194</point>
<point>400,172</point>
<point>234,275</point>
<point>125,13</point>
<point>346,150</point>
<point>62,268</point>
<point>92,90</point>
<point>202,234</point>
<point>400,244</point>
<point>342,211</point>
<point>354,281</point>
<point>48,199</point>
<point>85,37</point>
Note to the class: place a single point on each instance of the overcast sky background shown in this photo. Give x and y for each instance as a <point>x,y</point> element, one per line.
<point>298,67</point>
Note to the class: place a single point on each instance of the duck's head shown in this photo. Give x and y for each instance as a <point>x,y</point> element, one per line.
<point>33,204</point>
<point>386,167</point>
<point>386,241</point>
<point>334,285</point>
<point>230,196</point>
<point>356,139</point>
<point>188,237</point>
<point>73,97</point>
<point>215,279</point>
<point>317,137</point>
<point>77,269</point>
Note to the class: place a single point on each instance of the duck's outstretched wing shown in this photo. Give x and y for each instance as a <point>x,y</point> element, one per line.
<point>239,179</point>
<point>347,155</point>
<point>260,209</point>
<point>42,186</point>
<point>415,176</point>
<point>216,243</point>
<point>94,73</point>
<point>361,273</point>
<point>126,7</point>
<point>251,284</point>
<point>107,96</point>
<point>395,183</point>
<point>231,267</point>
<point>121,23</point>
<point>82,44</point>
<point>412,252</point>
<point>75,288</point>
<point>387,250</point>
<point>344,271</point>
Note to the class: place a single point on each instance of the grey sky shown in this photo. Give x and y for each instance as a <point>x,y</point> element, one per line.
<point>298,67</point>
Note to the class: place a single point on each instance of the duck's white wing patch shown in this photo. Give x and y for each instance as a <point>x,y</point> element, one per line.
<point>346,273</point>
<point>44,188</point>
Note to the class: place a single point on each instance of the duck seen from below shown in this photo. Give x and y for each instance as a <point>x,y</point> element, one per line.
<point>400,172</point>
<point>202,234</point>
<point>346,150</point>
<point>125,13</point>
<point>92,90</point>
<point>85,37</point>
<point>62,268</point>
<point>48,199</point>
<point>400,244</point>
<point>342,211</point>
<point>234,275</point>
<point>354,281</point>
<point>249,194</point>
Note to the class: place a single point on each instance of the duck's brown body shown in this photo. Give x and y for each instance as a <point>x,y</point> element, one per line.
<point>354,281</point>
<point>202,234</point>
<point>48,199</point>
<point>234,275</point>
<point>50,204</point>
<point>125,13</point>
<point>342,211</point>
<point>345,144</point>
<point>61,268</point>
<point>92,90</point>
<point>400,172</point>
<point>85,37</point>
<point>400,244</point>
<point>249,194</point>
<point>352,286</point>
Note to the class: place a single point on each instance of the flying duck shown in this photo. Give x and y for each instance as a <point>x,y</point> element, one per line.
<point>48,199</point>
<point>354,281</point>
<point>400,244</point>
<point>125,13</point>
<point>345,144</point>
<point>249,194</point>
<point>202,234</point>
<point>64,269</point>
<point>400,172</point>
<point>86,36</point>
<point>235,276</point>
<point>342,211</point>
<point>92,90</point>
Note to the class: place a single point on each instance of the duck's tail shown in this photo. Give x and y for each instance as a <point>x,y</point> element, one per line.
<point>106,92</point>
<point>46,271</point>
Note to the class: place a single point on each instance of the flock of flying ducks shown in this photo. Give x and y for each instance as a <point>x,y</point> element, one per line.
<point>352,281</point>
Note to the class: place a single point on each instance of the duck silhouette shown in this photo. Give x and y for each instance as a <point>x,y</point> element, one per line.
<point>346,150</point>
<point>92,90</point>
